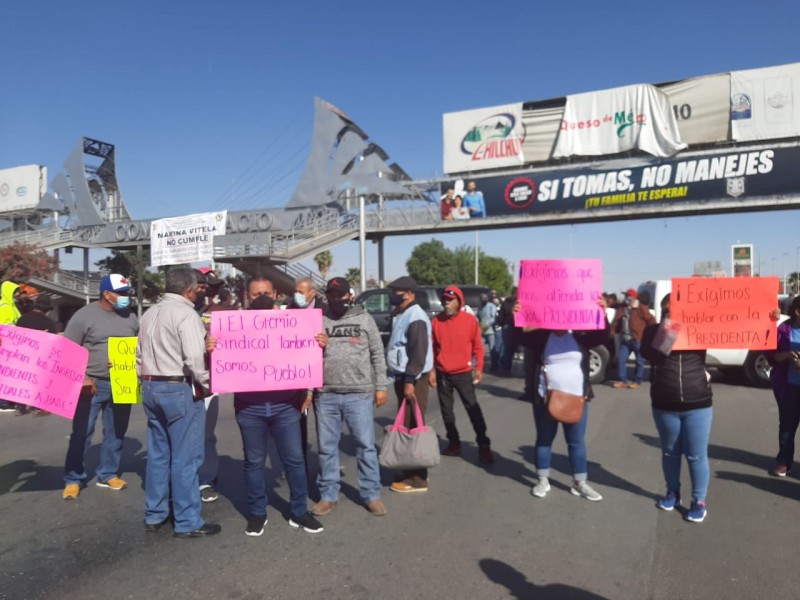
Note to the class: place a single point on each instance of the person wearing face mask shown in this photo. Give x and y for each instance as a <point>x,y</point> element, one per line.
<point>629,322</point>
<point>409,359</point>
<point>305,295</point>
<point>456,340</point>
<point>271,414</point>
<point>354,378</point>
<point>208,285</point>
<point>680,394</point>
<point>90,327</point>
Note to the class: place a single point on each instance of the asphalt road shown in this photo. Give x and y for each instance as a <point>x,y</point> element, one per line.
<point>478,533</point>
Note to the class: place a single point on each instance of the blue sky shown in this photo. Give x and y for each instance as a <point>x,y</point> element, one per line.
<point>195,93</point>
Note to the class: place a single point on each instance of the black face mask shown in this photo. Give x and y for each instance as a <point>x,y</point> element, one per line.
<point>338,307</point>
<point>200,301</point>
<point>262,302</point>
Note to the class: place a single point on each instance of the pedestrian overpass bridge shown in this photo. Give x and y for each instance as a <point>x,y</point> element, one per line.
<point>349,191</point>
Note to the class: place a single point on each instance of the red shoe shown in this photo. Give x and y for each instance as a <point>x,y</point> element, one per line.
<point>452,449</point>
<point>485,455</point>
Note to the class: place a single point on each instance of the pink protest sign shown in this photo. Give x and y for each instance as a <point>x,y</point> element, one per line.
<point>560,294</point>
<point>261,350</point>
<point>41,369</point>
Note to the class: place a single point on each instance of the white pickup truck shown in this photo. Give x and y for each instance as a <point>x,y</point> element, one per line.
<point>753,364</point>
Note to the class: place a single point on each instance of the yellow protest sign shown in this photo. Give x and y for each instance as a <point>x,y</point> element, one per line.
<point>122,359</point>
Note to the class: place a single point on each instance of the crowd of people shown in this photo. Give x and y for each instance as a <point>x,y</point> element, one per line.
<point>447,353</point>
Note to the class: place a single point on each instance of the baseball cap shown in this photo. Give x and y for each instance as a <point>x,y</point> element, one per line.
<point>115,283</point>
<point>405,283</point>
<point>632,293</point>
<point>43,302</point>
<point>338,285</point>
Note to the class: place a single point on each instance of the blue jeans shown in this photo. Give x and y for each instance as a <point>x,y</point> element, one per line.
<point>283,424</point>
<point>625,349</point>
<point>356,410</point>
<point>115,424</point>
<point>175,426</point>
<point>498,349</point>
<point>574,434</point>
<point>685,433</point>
<point>208,470</point>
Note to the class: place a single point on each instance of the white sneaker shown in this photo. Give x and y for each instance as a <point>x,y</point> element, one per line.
<point>583,489</point>
<point>541,488</point>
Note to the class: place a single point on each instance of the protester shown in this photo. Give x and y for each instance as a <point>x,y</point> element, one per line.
<point>11,296</point>
<point>473,201</point>
<point>505,320</point>
<point>487,315</point>
<point>354,378</point>
<point>409,359</point>
<point>90,327</point>
<point>561,361</point>
<point>170,360</point>
<point>276,414</point>
<point>305,296</point>
<point>785,377</point>
<point>456,340</point>
<point>226,301</point>
<point>207,287</point>
<point>629,322</point>
<point>36,318</point>
<point>680,395</point>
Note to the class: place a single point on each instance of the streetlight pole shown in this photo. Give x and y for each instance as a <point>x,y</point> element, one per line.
<point>785,256</point>
<point>797,274</point>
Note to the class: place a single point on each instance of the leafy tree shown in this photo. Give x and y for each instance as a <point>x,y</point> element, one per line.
<point>436,265</point>
<point>324,262</point>
<point>20,261</point>
<point>126,262</point>
<point>431,263</point>
<point>494,273</point>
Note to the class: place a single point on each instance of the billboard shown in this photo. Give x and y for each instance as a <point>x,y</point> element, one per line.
<point>700,107</point>
<point>762,103</point>
<point>742,260</point>
<point>486,138</point>
<point>21,188</point>
<point>733,175</point>
<point>634,117</point>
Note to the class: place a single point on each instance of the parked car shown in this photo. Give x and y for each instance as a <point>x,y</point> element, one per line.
<point>752,363</point>
<point>376,302</point>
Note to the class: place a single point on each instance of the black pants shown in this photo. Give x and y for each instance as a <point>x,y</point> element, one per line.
<point>789,417</point>
<point>415,477</point>
<point>462,383</point>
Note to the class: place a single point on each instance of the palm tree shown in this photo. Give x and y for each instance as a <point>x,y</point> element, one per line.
<point>353,277</point>
<point>324,261</point>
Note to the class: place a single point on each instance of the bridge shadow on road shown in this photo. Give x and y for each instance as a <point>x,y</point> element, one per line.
<point>519,587</point>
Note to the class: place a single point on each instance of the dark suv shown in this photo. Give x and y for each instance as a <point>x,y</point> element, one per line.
<point>376,302</point>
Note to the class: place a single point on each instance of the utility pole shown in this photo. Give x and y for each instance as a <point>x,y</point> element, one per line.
<point>477,250</point>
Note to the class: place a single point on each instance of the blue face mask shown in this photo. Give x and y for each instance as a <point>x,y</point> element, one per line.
<point>300,300</point>
<point>122,303</point>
